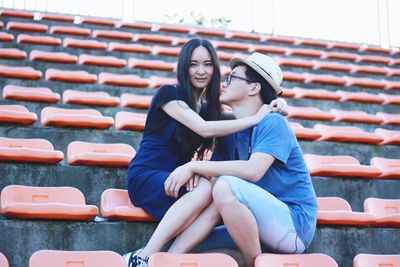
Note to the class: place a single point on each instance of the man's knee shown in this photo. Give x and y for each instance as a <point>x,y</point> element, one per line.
<point>222,193</point>
<point>203,191</point>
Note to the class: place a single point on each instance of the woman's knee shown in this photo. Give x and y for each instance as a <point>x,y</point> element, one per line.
<point>222,193</point>
<point>203,191</point>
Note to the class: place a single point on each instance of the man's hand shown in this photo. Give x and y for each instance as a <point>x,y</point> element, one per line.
<point>279,105</point>
<point>177,179</point>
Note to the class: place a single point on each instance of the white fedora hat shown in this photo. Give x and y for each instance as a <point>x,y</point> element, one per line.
<point>265,66</point>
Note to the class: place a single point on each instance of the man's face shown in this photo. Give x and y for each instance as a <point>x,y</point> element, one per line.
<point>236,87</point>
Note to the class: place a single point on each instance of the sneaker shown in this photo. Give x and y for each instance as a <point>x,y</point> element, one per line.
<point>132,259</point>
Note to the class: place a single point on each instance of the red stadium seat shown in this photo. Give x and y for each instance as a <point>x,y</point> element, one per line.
<point>69,30</point>
<point>38,40</point>
<point>40,94</point>
<point>389,137</point>
<point>163,259</point>
<point>56,57</point>
<point>390,167</point>
<point>136,101</point>
<point>90,98</point>
<point>72,76</point>
<point>122,80</point>
<point>130,121</point>
<point>16,114</point>
<point>350,134</point>
<point>106,61</point>
<point>298,260</point>
<point>372,260</point>
<point>387,211</point>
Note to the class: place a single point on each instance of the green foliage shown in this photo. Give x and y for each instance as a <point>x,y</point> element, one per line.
<point>199,19</point>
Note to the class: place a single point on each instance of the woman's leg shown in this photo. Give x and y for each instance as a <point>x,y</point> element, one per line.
<point>179,216</point>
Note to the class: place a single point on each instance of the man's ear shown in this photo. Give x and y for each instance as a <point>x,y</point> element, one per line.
<point>255,89</point>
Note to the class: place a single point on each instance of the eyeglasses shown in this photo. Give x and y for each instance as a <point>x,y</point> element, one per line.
<point>228,79</point>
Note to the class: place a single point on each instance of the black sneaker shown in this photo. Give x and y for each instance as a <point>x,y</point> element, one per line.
<point>132,259</point>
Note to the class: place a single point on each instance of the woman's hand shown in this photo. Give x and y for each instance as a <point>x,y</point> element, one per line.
<point>279,105</point>
<point>192,183</point>
<point>261,113</point>
<point>177,179</point>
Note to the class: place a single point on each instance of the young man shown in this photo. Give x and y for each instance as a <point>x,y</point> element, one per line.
<point>263,192</point>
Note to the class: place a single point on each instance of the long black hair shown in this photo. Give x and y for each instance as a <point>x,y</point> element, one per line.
<point>190,142</point>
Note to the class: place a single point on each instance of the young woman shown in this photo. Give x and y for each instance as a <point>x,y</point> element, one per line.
<point>181,122</point>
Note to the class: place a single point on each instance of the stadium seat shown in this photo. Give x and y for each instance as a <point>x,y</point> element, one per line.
<point>135,101</point>
<point>389,137</point>
<point>71,76</point>
<point>29,150</point>
<point>355,116</point>
<point>340,56</point>
<point>122,80</point>
<point>393,72</point>
<point>327,79</point>
<point>28,27</point>
<point>208,32</point>
<point>90,98</point>
<point>268,49</point>
<point>16,13</point>
<point>56,57</point>
<point>136,63</point>
<point>331,66</point>
<point>170,28</point>
<point>79,118</point>
<point>295,63</point>
<point>394,62</point>
<point>392,85</point>
<point>388,118</point>
<point>16,114</point>
<point>343,166</point>
<point>54,258</point>
<point>374,49</point>
<point>293,76</point>
<point>130,121</point>
<point>20,72</point>
<point>337,211</point>
<point>224,56</point>
<point>346,46</point>
<point>390,167</point>
<point>362,97</point>
<point>373,260</point>
<point>315,94</point>
<point>304,133</point>
<point>309,113</point>
<point>12,53</point>
<point>135,25</point>
<point>351,134</point>
<point>119,35</point>
<point>98,21</point>
<point>68,30</point>
<point>56,17</point>
<point>163,259</point>
<point>298,260</point>
<point>390,99</point>
<point>156,82</point>
<point>84,44</point>
<point>38,40</point>
<point>304,52</point>
<point>92,154</point>
<point>30,202</point>
<point>280,39</point>
<point>244,35</point>
<point>37,94</point>
<point>116,205</point>
<point>287,92</point>
<point>131,48</point>
<point>153,38</point>
<point>365,82</point>
<point>166,51</point>
<point>3,260</point>
<point>231,45</point>
<point>369,70</point>
<point>6,37</point>
<point>106,61</point>
<point>387,211</point>
<point>309,42</point>
<point>374,59</point>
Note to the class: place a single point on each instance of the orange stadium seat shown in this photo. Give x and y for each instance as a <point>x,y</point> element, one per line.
<point>390,99</point>
<point>345,166</point>
<point>170,28</point>
<point>12,53</point>
<point>166,51</point>
<point>80,118</point>
<point>278,39</point>
<point>332,66</point>
<point>387,211</point>
<point>244,35</point>
<point>325,79</point>
<point>84,44</point>
<point>106,61</point>
<point>163,259</point>
<point>72,76</point>
<point>20,72</point>
<point>136,101</point>
<point>29,150</point>
<point>6,37</point>
<point>116,205</point>
<point>390,167</point>
<point>208,32</point>
<point>98,21</point>
<point>16,114</point>
<point>69,30</point>
<point>153,38</point>
<point>309,42</point>
<point>286,260</point>
<point>40,94</point>
<point>315,94</point>
<point>224,56</point>
<point>295,63</point>
<point>341,56</point>
<point>374,59</point>
<point>38,40</point>
<point>350,134</point>
<point>16,13</point>
<point>337,211</point>
<point>3,260</point>
<point>52,258</point>
<point>28,27</point>
<point>366,82</point>
<point>373,260</point>
<point>268,49</point>
<point>135,25</point>
<point>346,46</point>
<point>305,52</point>
<point>93,154</point>
<point>393,72</point>
<point>136,63</point>
<point>293,76</point>
<point>120,35</point>
<point>131,48</point>
<point>394,62</point>
<point>389,119</point>
<point>287,92</point>
<point>30,202</point>
<point>392,85</point>
<point>156,82</point>
<point>56,17</point>
<point>374,49</point>
<point>362,97</point>
<point>369,70</point>
<point>130,121</point>
<point>57,57</point>
<point>309,113</point>
<point>122,79</point>
<point>355,116</point>
<point>90,98</point>
<point>231,45</point>
<point>390,137</point>
<point>304,133</point>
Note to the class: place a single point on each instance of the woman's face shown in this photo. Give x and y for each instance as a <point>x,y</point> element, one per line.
<point>200,68</point>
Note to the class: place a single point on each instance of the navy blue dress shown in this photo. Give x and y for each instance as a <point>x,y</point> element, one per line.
<point>157,157</point>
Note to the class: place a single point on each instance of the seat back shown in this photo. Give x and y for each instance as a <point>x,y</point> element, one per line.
<point>198,260</point>
<point>77,147</point>
<point>382,207</point>
<point>385,164</point>
<point>25,143</point>
<point>371,260</point>
<point>315,161</point>
<point>112,198</point>
<point>3,260</point>
<point>333,204</point>
<point>295,260</point>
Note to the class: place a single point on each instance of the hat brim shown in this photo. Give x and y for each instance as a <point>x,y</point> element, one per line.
<point>235,61</point>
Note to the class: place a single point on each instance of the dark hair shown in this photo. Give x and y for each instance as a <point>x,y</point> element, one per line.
<point>190,142</point>
<point>267,92</point>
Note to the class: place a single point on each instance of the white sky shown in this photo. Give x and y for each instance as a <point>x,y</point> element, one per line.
<point>344,20</point>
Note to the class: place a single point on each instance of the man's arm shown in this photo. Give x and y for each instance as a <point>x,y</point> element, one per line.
<point>251,170</point>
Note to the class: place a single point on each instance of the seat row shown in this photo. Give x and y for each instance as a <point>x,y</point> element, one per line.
<point>58,258</point>
<point>187,30</point>
<point>68,203</point>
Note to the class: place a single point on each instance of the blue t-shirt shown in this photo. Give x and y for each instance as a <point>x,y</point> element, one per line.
<point>287,178</point>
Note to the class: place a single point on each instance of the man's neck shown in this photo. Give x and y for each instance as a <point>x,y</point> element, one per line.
<point>243,110</point>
